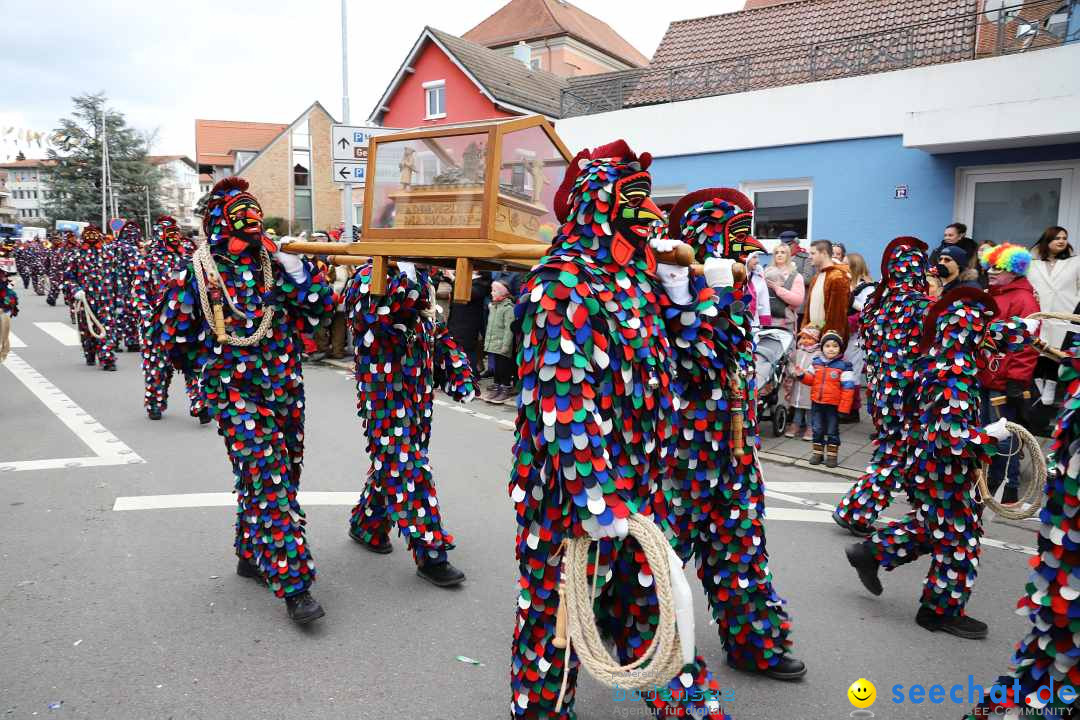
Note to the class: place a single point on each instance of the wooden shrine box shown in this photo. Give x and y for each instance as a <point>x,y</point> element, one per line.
<point>479,194</point>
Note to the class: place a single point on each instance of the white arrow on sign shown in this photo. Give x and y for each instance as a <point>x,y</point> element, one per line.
<point>350,144</point>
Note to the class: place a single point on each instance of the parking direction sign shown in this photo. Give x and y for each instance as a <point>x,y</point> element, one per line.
<point>351,151</point>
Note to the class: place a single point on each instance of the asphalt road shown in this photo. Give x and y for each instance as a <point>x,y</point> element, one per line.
<point>136,613</point>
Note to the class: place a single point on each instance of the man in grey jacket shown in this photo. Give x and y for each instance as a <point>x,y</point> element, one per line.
<point>801,259</point>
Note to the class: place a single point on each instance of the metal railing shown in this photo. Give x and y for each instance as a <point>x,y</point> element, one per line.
<point>1016,28</point>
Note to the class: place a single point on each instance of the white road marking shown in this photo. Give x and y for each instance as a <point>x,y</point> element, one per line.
<point>796,515</point>
<point>15,341</point>
<point>831,488</point>
<point>465,409</point>
<point>63,332</point>
<point>107,448</point>
<point>223,499</point>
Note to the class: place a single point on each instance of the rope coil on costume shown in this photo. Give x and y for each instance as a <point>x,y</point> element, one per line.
<point>1016,511</point>
<point>206,274</point>
<point>664,654</point>
<point>93,325</point>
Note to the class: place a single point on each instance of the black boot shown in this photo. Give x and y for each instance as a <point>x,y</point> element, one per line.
<point>857,529</point>
<point>1009,495</point>
<point>110,367</point>
<point>866,564</point>
<point>134,347</point>
<point>51,302</point>
<point>91,361</point>
<point>154,413</point>
<point>788,668</point>
<point>303,608</point>
<point>958,625</point>
<point>442,574</point>
<point>381,548</point>
<point>204,416</point>
<point>246,570</point>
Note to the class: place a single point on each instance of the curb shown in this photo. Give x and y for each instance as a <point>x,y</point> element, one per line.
<point>800,463</point>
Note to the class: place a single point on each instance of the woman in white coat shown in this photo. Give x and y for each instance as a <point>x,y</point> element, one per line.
<point>1055,275</point>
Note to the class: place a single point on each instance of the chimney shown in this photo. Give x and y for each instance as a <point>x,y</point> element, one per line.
<point>523,53</point>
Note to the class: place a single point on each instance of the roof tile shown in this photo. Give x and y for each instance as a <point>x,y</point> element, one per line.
<point>215,138</point>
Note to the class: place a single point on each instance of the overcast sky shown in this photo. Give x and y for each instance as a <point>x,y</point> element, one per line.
<point>166,62</point>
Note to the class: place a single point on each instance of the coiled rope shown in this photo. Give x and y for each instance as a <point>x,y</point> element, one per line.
<point>93,325</point>
<point>1017,511</point>
<point>207,276</point>
<point>577,595</point>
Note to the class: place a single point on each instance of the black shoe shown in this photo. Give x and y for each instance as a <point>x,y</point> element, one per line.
<point>856,529</point>
<point>204,416</point>
<point>442,574</point>
<point>51,302</point>
<point>383,548</point>
<point>864,562</point>
<point>246,570</point>
<point>1009,495</point>
<point>958,625</point>
<point>134,348</point>
<point>110,367</point>
<point>303,608</point>
<point>788,668</point>
<point>91,361</point>
<point>154,413</point>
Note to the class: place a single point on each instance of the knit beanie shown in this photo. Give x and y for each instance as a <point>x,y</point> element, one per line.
<point>833,335</point>
<point>1007,258</point>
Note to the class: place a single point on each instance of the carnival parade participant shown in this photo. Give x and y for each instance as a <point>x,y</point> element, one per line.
<point>603,344</point>
<point>713,500</point>
<point>87,279</point>
<point>401,350</point>
<point>9,300</point>
<point>38,261</point>
<point>891,328</point>
<point>23,261</point>
<point>946,447</point>
<point>1051,649</point>
<point>127,251</point>
<point>58,253</point>
<point>235,315</point>
<point>165,258</point>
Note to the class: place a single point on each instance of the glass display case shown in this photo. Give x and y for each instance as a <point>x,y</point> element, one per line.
<point>479,191</point>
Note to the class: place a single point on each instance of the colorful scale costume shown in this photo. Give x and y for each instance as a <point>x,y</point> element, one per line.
<point>88,271</point>
<point>128,257</point>
<point>165,259</point>
<point>946,445</point>
<point>1051,648</point>
<point>602,348</point>
<point>891,327</point>
<point>9,300</point>
<point>23,262</point>
<point>715,499</point>
<point>400,351</point>
<point>256,392</point>
<point>38,261</point>
<point>58,254</point>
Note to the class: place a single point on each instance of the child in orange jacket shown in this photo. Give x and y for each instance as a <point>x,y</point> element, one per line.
<point>832,392</point>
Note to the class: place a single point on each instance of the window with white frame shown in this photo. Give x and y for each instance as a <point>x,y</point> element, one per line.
<point>435,99</point>
<point>781,205</point>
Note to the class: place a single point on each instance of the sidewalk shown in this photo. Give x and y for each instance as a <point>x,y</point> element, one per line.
<point>855,449</point>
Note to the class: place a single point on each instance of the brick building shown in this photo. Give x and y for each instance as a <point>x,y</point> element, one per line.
<point>291,177</point>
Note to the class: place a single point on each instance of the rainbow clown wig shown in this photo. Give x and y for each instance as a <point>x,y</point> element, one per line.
<point>1007,258</point>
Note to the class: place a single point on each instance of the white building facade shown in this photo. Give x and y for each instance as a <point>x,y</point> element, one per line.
<point>179,188</point>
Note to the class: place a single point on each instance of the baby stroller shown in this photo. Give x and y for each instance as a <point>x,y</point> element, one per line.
<point>772,348</point>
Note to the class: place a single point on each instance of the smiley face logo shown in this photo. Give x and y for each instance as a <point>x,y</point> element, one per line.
<point>862,693</point>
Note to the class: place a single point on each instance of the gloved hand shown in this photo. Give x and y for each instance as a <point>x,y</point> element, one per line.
<point>718,272</point>
<point>620,528</point>
<point>1032,327</point>
<point>997,430</point>
<point>80,295</point>
<point>676,280</point>
<point>432,309</point>
<point>408,268</point>
<point>662,244</point>
<point>289,262</point>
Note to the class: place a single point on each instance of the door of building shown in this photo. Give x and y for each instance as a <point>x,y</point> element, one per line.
<point>1015,203</point>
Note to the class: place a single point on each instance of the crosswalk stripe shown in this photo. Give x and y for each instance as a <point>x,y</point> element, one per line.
<point>837,488</point>
<point>15,341</point>
<point>223,499</point>
<point>62,332</point>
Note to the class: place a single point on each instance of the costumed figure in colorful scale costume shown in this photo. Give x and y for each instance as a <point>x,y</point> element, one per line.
<point>714,498</point>
<point>401,353</point>
<point>946,447</point>
<point>9,301</point>
<point>604,342</point>
<point>37,255</point>
<point>23,261</point>
<point>1050,651</point>
<point>165,259</point>
<point>252,379</point>
<point>891,327</point>
<point>127,249</point>
<point>87,279</point>
<point>58,253</point>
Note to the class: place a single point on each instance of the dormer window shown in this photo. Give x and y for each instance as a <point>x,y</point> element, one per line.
<point>435,99</point>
